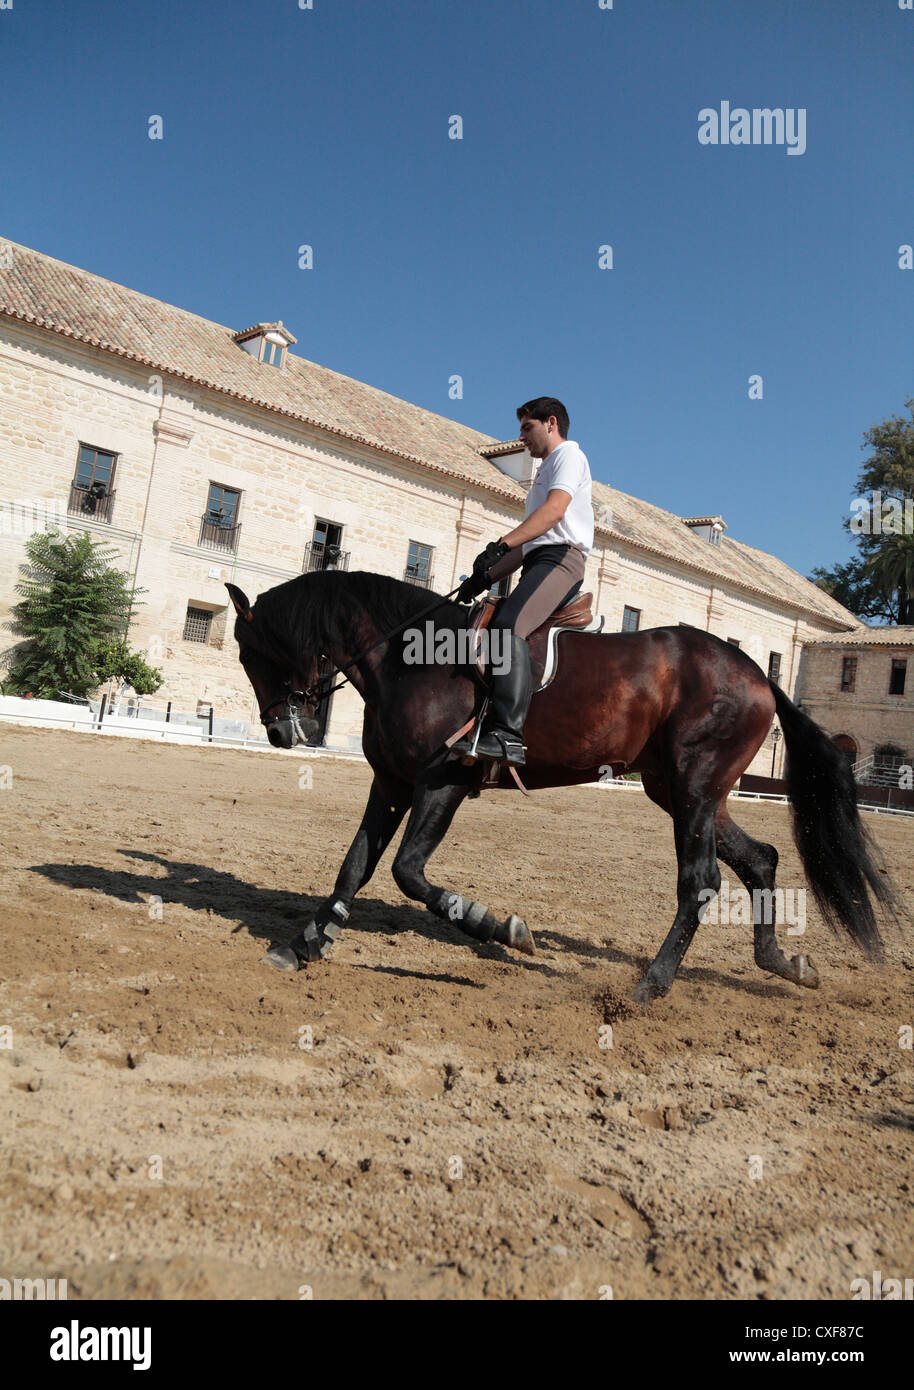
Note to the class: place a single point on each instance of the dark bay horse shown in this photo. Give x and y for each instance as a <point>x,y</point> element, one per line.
<point>684,708</point>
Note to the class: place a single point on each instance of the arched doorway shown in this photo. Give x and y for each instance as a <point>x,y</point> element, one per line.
<point>847,745</point>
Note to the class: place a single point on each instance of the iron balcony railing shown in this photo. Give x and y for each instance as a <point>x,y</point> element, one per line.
<point>878,774</point>
<point>217,533</point>
<point>414,574</point>
<point>91,501</point>
<point>320,556</point>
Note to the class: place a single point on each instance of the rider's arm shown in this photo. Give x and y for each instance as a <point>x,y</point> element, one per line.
<point>507,564</point>
<point>540,521</point>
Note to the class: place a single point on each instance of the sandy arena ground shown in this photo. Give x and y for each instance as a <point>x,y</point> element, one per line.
<point>456,1129</point>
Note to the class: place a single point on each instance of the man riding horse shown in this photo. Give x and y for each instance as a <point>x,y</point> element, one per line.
<point>551,544</point>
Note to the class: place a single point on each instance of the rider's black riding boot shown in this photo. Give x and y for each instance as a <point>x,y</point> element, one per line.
<point>511,695</point>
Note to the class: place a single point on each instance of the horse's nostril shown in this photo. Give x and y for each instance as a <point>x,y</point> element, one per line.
<point>279,735</point>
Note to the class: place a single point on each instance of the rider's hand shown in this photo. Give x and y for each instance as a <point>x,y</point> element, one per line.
<point>479,580</point>
<point>486,559</point>
<point>470,588</point>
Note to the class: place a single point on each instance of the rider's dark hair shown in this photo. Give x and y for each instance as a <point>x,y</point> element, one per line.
<point>542,408</point>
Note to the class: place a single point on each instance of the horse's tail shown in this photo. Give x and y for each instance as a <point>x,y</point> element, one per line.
<point>837,852</point>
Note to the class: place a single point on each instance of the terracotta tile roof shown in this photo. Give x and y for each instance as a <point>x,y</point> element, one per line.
<point>50,294</point>
<point>278,327</point>
<point>902,636</point>
<point>510,446</point>
<point>657,531</point>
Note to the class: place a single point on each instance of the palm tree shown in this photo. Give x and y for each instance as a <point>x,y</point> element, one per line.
<point>892,568</point>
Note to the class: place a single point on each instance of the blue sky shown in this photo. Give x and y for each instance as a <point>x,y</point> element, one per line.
<point>478,257</point>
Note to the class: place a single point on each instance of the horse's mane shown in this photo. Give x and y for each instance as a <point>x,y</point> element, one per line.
<point>305,612</point>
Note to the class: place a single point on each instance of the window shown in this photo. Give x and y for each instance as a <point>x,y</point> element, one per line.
<point>897,677</point>
<point>222,506</point>
<point>714,537</point>
<point>219,525</point>
<point>774,667</point>
<point>267,342</point>
<point>197,624</point>
<point>324,551</point>
<point>419,564</point>
<point>848,674</point>
<point>631,618</point>
<point>94,466</point>
<point>734,641</point>
<point>91,493</point>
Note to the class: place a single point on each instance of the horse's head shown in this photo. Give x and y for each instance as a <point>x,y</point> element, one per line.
<point>284,692</point>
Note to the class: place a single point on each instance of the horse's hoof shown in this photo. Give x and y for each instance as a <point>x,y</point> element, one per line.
<point>804,972</point>
<point>647,990</point>
<point>520,936</point>
<point>281,958</point>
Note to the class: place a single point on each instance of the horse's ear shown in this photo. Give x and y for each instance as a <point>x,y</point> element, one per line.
<point>239,599</point>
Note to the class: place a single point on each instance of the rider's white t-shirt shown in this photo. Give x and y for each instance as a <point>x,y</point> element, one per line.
<point>566,468</point>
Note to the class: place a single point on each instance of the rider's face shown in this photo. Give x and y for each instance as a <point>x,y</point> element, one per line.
<point>537,435</point>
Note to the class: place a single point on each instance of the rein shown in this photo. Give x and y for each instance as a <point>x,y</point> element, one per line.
<point>314,695</point>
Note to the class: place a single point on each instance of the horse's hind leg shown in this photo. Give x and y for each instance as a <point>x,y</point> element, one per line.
<point>755,864</point>
<point>693,829</point>
<point>433,809</point>
<point>387,805</point>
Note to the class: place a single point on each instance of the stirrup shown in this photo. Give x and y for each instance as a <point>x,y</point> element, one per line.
<point>511,748</point>
<point>463,749</point>
<point>463,742</point>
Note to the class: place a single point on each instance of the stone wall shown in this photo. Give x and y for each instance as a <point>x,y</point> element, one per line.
<point>173,439</point>
<point>869,715</point>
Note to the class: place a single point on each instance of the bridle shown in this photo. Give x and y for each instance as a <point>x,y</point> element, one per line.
<point>295,701</point>
<point>298,700</point>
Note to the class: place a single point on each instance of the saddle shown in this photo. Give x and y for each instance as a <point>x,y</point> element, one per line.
<point>576,616</point>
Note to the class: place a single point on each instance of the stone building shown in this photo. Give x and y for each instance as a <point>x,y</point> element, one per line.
<point>203,454</point>
<point>860,688</point>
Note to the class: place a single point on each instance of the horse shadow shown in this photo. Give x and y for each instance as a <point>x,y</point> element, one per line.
<point>276,915</point>
<point>272,915</point>
<point>762,985</point>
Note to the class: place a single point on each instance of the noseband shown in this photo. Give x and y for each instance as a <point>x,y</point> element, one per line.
<point>295,701</point>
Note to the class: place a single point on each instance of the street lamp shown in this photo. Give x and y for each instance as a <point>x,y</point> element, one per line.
<point>775,739</point>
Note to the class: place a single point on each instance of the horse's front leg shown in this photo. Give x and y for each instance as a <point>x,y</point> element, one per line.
<point>386,808</point>
<point>435,803</point>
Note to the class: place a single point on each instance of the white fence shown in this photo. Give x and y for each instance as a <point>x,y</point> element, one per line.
<point>621,785</point>
<point>234,733</point>
<point>150,724</point>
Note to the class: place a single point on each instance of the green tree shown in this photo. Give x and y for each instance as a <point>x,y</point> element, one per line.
<point>879,581</point>
<point>891,569</point>
<point>74,615</point>
<point>115,661</point>
<point>856,588</point>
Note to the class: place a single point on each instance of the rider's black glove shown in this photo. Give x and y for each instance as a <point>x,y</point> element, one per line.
<point>479,580</point>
